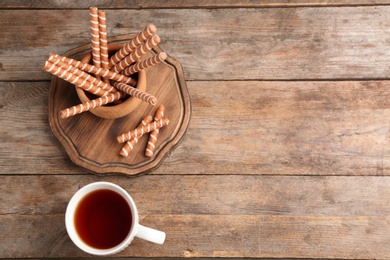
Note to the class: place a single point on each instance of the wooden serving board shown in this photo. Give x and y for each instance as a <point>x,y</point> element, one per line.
<point>90,141</point>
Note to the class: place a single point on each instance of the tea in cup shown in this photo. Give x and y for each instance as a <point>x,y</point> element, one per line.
<point>102,219</point>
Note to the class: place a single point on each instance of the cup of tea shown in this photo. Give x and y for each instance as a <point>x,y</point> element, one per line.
<point>102,219</point>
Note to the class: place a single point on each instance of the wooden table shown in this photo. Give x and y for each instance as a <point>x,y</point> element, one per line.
<point>287,154</point>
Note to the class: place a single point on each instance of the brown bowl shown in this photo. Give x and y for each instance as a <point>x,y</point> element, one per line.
<point>121,108</point>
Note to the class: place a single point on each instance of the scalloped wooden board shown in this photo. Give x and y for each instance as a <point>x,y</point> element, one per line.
<point>90,141</point>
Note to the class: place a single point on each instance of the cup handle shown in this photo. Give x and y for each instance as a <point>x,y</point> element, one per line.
<point>150,234</point>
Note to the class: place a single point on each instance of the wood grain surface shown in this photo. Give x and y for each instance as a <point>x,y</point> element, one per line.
<point>141,4</point>
<point>287,154</point>
<point>274,236</point>
<point>247,216</point>
<point>288,128</point>
<point>218,44</point>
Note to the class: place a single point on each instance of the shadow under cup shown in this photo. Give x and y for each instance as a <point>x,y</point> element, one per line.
<point>101,218</point>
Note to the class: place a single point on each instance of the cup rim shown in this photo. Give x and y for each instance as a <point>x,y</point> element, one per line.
<point>70,211</point>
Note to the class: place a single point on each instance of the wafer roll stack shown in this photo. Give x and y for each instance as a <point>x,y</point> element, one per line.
<point>151,146</point>
<point>68,112</point>
<point>97,71</point>
<point>95,42</point>
<point>103,71</point>
<point>82,74</point>
<point>143,130</point>
<point>136,54</point>
<point>129,146</point>
<point>136,93</point>
<point>133,44</point>
<point>73,79</point>
<point>103,42</point>
<point>145,64</point>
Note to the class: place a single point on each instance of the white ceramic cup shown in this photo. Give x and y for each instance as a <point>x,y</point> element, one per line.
<point>136,229</point>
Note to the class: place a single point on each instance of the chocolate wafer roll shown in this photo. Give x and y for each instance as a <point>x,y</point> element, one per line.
<point>133,44</point>
<point>68,112</point>
<point>139,131</point>
<point>150,148</point>
<point>103,42</point>
<point>82,74</point>
<point>95,42</point>
<point>136,54</point>
<point>136,93</point>
<point>97,71</point>
<point>129,146</point>
<point>73,79</point>
<point>145,64</point>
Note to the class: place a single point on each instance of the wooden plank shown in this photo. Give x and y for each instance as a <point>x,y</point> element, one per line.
<point>214,236</point>
<point>212,216</point>
<point>209,194</point>
<point>26,138</point>
<point>246,127</point>
<point>314,128</point>
<point>142,4</point>
<point>271,43</point>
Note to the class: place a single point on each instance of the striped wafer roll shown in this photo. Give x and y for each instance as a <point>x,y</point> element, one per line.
<point>129,146</point>
<point>154,134</point>
<point>97,71</point>
<point>68,112</point>
<point>103,42</point>
<point>139,131</point>
<point>73,79</point>
<point>136,93</point>
<point>82,74</point>
<point>95,42</point>
<point>145,64</point>
<point>137,53</point>
<point>133,44</point>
